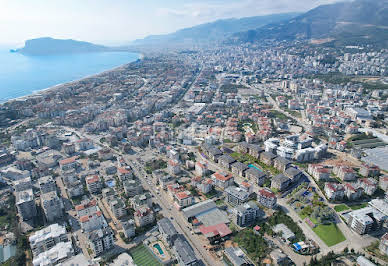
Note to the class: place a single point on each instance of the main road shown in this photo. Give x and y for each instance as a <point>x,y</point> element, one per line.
<point>170,211</point>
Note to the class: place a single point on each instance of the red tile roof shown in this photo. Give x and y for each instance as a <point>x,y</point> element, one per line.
<point>218,229</point>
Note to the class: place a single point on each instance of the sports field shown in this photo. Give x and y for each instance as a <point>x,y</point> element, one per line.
<point>143,257</point>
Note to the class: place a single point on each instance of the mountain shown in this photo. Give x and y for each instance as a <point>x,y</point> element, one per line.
<point>359,21</point>
<point>49,46</point>
<point>214,31</point>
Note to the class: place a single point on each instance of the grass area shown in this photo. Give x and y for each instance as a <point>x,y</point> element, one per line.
<point>330,234</point>
<point>293,112</point>
<point>279,115</point>
<point>341,207</point>
<point>359,206</point>
<point>143,257</point>
<point>219,202</point>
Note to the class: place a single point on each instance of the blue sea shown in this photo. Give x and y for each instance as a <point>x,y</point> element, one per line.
<point>22,75</point>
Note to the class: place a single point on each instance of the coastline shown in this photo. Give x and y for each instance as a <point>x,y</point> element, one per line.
<point>140,56</point>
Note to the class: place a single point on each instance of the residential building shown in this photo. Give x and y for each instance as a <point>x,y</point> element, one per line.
<point>383,182</point>
<point>222,180</point>
<point>368,184</point>
<point>280,182</point>
<point>129,228</point>
<point>57,254</point>
<point>47,238</point>
<point>239,169</point>
<point>117,207</point>
<point>167,231</point>
<point>345,173</point>
<point>383,246</point>
<point>47,184</point>
<point>201,169</point>
<point>52,206</point>
<point>368,170</point>
<point>267,158</point>
<point>247,214</point>
<point>101,240</point>
<point>255,175</point>
<point>132,187</point>
<point>352,192</point>
<point>92,221</point>
<point>226,161</point>
<point>25,204</point>
<point>144,216</point>
<point>142,200</point>
<point>236,196</point>
<point>93,184</point>
<point>293,173</point>
<point>281,163</point>
<point>69,163</point>
<point>366,220</point>
<point>173,167</point>
<point>267,198</point>
<point>87,208</point>
<point>255,151</point>
<point>319,172</point>
<point>334,191</point>
<point>184,252</point>
<point>183,199</point>
<point>205,186</point>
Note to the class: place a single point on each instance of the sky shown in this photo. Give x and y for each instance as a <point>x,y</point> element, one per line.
<point>117,22</point>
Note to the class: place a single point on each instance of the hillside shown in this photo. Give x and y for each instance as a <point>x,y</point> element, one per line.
<point>47,46</point>
<point>359,21</point>
<point>214,31</point>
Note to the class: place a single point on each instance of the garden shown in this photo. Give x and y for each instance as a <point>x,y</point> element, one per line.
<point>320,217</point>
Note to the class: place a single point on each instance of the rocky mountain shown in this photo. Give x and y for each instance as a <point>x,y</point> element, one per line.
<point>355,22</point>
<point>47,46</point>
<point>214,31</point>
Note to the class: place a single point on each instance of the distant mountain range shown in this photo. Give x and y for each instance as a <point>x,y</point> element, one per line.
<point>349,23</point>
<point>47,46</point>
<point>214,31</point>
<point>344,23</point>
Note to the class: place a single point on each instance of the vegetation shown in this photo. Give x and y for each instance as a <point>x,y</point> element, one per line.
<point>279,115</point>
<point>254,244</point>
<point>330,234</point>
<point>231,88</point>
<point>143,257</point>
<point>359,206</point>
<point>248,159</point>
<point>374,250</point>
<point>281,217</point>
<point>8,214</point>
<point>341,207</point>
<point>155,165</point>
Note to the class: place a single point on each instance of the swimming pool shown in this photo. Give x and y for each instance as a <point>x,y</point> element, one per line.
<point>157,246</point>
<point>110,183</point>
<point>252,166</point>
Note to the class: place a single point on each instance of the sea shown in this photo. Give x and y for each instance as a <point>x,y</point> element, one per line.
<point>22,75</point>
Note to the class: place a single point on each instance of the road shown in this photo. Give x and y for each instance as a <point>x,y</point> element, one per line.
<point>169,211</point>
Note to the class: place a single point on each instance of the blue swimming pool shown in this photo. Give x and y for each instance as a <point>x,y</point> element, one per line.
<point>157,246</point>
<point>252,166</point>
<point>110,183</point>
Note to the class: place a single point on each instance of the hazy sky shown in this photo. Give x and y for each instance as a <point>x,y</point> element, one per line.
<point>120,21</point>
